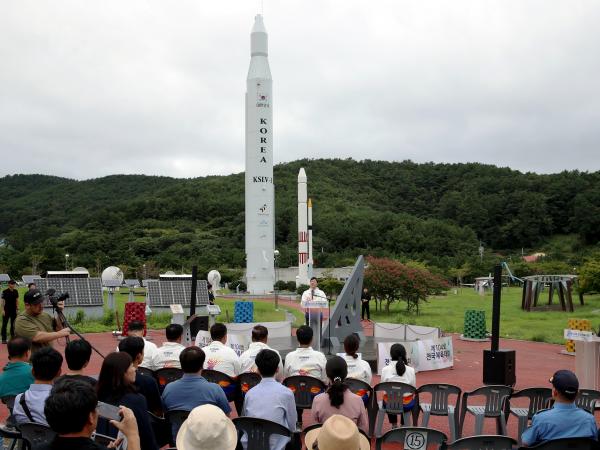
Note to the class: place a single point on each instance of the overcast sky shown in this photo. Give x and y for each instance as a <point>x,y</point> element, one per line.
<point>89,89</point>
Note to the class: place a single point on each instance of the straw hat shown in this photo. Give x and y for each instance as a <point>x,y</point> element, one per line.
<point>207,428</point>
<point>338,432</point>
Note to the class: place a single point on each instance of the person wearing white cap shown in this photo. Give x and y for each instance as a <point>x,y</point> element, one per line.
<point>338,432</point>
<point>207,428</point>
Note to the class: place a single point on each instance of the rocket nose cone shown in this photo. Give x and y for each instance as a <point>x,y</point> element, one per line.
<point>259,26</point>
<point>301,175</point>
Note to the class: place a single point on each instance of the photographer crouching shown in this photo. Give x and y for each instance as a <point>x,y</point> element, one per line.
<point>38,326</point>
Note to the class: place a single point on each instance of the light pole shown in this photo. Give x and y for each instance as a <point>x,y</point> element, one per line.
<point>276,259</point>
<point>66,261</point>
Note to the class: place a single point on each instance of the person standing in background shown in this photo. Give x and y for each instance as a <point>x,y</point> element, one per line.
<point>365,299</point>
<point>10,307</point>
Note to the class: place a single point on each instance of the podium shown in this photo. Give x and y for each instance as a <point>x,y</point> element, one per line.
<point>587,358</point>
<point>315,312</point>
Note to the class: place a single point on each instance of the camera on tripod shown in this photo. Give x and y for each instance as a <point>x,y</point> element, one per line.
<point>55,297</point>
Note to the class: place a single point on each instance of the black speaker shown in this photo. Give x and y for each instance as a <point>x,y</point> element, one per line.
<point>198,323</point>
<point>499,367</point>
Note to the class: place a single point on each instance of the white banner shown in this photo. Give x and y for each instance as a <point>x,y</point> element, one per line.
<point>430,354</point>
<point>238,342</point>
<point>404,332</point>
<point>276,329</point>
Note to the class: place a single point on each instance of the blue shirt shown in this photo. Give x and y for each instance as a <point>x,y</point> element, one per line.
<point>35,399</point>
<point>193,390</point>
<point>564,420</point>
<point>272,401</point>
<point>16,378</point>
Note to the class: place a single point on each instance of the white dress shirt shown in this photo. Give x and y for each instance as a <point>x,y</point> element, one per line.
<point>168,356</point>
<point>358,368</point>
<point>150,350</point>
<point>305,361</point>
<point>247,359</point>
<point>388,373</point>
<point>312,294</point>
<point>222,358</point>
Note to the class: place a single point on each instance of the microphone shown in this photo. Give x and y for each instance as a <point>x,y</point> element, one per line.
<point>312,294</point>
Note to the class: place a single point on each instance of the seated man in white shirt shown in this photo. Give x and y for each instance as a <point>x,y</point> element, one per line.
<point>221,357</point>
<point>168,354</point>
<point>136,328</point>
<point>260,335</point>
<point>305,360</point>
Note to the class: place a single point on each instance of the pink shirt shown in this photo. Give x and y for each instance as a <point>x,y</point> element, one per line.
<point>353,408</point>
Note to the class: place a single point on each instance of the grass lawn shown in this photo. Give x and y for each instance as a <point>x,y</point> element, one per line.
<point>447,312</point>
<point>263,312</point>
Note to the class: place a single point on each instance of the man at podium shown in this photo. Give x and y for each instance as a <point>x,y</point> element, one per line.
<point>313,293</point>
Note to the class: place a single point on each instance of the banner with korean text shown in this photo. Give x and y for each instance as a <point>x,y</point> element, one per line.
<point>423,355</point>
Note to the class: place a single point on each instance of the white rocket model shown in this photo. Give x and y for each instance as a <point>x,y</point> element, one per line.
<point>302,228</point>
<point>260,193</point>
<point>305,257</point>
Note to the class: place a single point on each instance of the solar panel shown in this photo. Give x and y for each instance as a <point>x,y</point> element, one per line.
<point>173,292</point>
<point>30,278</point>
<point>82,291</point>
<point>4,278</point>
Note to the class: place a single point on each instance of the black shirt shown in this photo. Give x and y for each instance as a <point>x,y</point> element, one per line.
<point>148,387</point>
<point>10,300</point>
<point>72,443</point>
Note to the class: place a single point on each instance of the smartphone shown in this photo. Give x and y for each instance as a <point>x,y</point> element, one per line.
<point>108,411</point>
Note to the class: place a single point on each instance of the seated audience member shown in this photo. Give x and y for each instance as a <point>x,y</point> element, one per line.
<point>337,433</point>
<point>338,399</point>
<point>168,355</point>
<point>29,406</point>
<point>357,367</point>
<point>218,355</point>
<point>71,413</point>
<point>399,372</point>
<point>207,428</point>
<point>305,360</point>
<point>136,328</point>
<point>564,419</point>
<point>192,389</point>
<point>16,376</point>
<point>260,335</point>
<point>78,354</point>
<point>116,386</point>
<point>271,400</point>
<point>147,386</point>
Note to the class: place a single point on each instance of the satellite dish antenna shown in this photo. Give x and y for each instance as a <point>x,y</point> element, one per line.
<point>214,278</point>
<point>81,269</point>
<point>112,276</point>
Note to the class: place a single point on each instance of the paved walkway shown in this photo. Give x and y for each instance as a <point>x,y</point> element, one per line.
<point>536,362</point>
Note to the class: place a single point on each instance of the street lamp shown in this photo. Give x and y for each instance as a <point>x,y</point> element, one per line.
<point>66,261</point>
<point>276,259</point>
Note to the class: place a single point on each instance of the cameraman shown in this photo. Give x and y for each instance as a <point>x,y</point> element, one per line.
<point>37,325</point>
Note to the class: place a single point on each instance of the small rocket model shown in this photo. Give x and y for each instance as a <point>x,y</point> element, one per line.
<point>305,256</point>
<point>260,192</point>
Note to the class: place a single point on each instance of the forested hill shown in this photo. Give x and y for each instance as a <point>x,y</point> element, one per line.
<point>435,213</point>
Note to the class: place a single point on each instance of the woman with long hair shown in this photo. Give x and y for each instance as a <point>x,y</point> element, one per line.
<point>338,399</point>
<point>399,371</point>
<point>116,386</point>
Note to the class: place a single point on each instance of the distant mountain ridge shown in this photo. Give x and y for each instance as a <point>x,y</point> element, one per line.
<point>429,212</point>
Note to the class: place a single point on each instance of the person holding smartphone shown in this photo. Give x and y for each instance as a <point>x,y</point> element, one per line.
<point>72,413</point>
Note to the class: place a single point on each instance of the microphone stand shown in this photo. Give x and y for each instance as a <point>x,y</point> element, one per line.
<point>66,324</point>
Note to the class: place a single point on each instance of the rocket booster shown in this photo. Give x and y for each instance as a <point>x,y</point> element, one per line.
<point>259,188</point>
<point>302,228</point>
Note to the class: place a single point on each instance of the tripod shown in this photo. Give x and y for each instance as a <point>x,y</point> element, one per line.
<point>65,323</point>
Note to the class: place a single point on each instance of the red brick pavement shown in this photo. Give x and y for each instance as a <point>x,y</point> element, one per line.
<point>535,364</point>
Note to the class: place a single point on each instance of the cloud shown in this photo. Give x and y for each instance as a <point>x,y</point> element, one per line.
<point>90,89</point>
